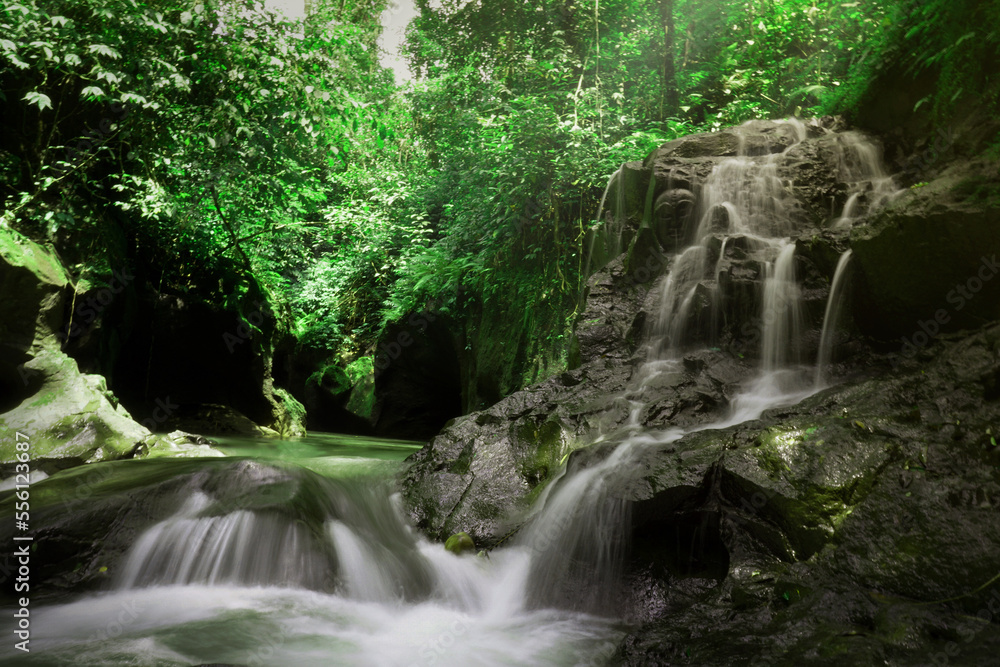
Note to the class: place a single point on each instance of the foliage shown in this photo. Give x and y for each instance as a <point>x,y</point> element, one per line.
<point>227,142</point>
<point>214,128</point>
<point>955,44</point>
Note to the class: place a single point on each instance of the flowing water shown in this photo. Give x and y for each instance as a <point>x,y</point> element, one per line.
<point>834,305</point>
<point>335,576</point>
<point>244,571</point>
<point>869,187</point>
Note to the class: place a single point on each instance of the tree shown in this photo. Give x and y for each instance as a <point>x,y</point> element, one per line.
<point>671,96</point>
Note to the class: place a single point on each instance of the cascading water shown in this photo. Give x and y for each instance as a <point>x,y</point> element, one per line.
<point>331,576</point>
<point>834,305</point>
<point>869,187</point>
<point>742,197</point>
<point>605,237</point>
<point>240,547</point>
<point>781,316</point>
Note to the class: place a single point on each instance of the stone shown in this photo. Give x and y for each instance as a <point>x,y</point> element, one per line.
<point>459,543</point>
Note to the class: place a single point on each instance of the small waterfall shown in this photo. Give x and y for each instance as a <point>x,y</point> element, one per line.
<point>782,316</point>
<point>354,539</point>
<point>861,169</point>
<point>240,547</point>
<point>606,236</point>
<point>834,305</point>
<point>742,196</point>
<point>367,572</point>
<point>619,209</point>
<point>676,294</point>
<point>577,543</point>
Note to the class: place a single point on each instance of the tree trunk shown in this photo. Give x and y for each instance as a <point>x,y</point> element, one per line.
<point>670,94</point>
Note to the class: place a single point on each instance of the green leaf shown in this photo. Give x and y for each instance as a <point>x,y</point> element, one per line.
<point>41,100</point>
<point>91,92</point>
<point>104,51</point>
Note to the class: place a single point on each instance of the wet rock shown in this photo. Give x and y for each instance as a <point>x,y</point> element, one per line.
<point>459,543</point>
<point>70,419</point>
<point>34,284</point>
<point>181,445</point>
<point>644,261</point>
<point>672,218</point>
<point>705,144</point>
<point>876,485</point>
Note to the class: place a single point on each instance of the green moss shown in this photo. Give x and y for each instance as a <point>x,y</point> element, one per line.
<point>362,399</point>
<point>18,250</point>
<point>360,368</point>
<point>459,543</point>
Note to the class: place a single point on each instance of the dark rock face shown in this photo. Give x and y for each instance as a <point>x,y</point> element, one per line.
<point>68,417</point>
<point>933,257</point>
<point>840,520</point>
<point>185,356</point>
<point>79,369</point>
<point>418,377</point>
<point>182,360</point>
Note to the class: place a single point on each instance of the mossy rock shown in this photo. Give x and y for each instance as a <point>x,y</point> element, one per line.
<point>71,419</point>
<point>459,543</point>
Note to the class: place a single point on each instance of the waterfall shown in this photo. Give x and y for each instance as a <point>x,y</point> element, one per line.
<point>606,237</point>
<point>834,305</point>
<point>869,187</point>
<point>781,317</point>
<point>357,542</point>
<point>349,581</point>
<point>240,547</point>
<point>619,209</point>
<point>742,196</point>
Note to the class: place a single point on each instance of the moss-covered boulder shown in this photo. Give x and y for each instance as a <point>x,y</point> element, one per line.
<point>72,418</point>
<point>34,287</point>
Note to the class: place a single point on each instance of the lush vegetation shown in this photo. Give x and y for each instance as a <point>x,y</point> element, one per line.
<point>236,149</point>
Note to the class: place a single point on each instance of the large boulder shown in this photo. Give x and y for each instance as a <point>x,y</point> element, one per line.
<point>928,263</point>
<point>67,417</point>
<point>483,471</point>
<point>858,524</point>
<point>34,287</point>
<point>71,419</point>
